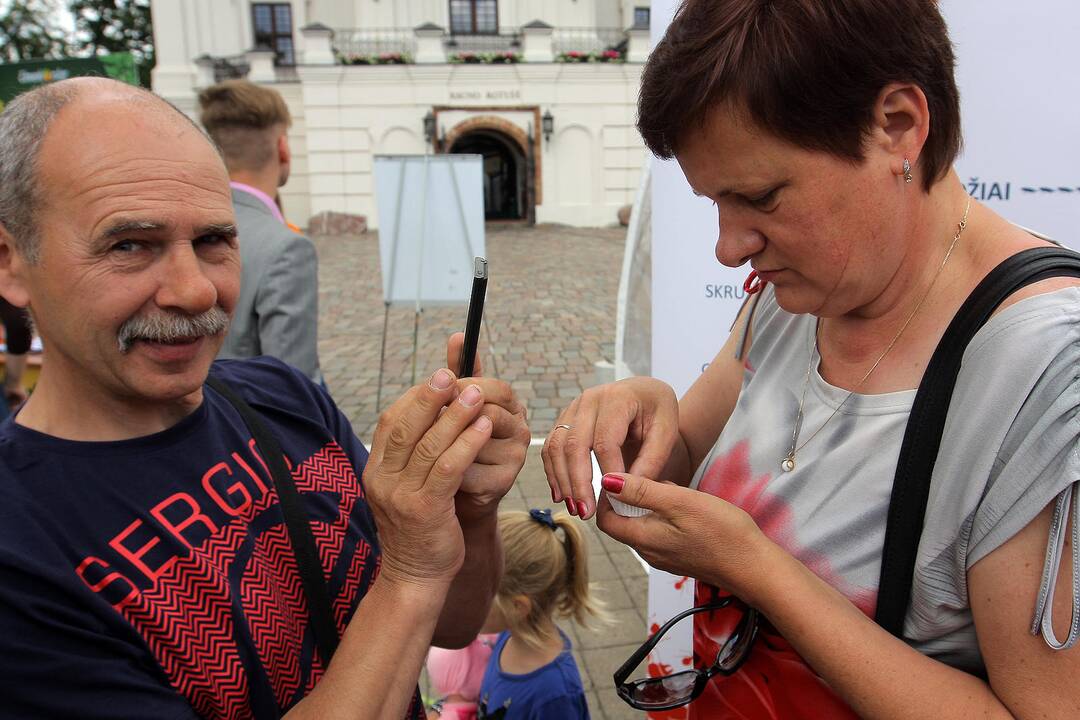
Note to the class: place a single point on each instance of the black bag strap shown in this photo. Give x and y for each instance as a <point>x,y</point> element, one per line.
<point>300,536</point>
<point>922,439</point>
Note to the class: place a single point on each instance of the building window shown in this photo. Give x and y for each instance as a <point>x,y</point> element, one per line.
<point>474,17</point>
<point>273,29</point>
<point>641,17</point>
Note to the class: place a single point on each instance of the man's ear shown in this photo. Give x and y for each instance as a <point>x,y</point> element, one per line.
<point>901,123</point>
<point>13,268</point>
<point>284,154</point>
<point>283,150</point>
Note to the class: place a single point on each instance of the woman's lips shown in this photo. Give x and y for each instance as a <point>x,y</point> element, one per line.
<point>769,275</point>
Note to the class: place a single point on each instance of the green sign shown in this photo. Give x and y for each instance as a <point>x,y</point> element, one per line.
<point>19,77</point>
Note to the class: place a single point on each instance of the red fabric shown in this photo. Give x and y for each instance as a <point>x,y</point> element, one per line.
<point>774,683</point>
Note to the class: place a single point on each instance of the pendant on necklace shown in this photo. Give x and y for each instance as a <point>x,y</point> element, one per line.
<point>787,464</point>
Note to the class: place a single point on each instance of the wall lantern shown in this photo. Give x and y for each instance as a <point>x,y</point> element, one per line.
<point>548,125</point>
<point>429,127</point>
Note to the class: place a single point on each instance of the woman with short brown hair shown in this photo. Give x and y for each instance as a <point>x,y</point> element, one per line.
<point>825,131</point>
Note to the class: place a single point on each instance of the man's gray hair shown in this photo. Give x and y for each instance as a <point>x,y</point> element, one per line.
<point>23,124</point>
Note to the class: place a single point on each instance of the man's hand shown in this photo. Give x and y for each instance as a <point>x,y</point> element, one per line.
<point>498,463</point>
<point>423,445</point>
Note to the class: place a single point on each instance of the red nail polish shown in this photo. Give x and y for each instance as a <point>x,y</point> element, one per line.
<point>613,484</point>
<point>555,496</point>
<point>570,506</point>
<point>583,509</point>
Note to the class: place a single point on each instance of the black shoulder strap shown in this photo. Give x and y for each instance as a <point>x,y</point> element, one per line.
<point>922,439</point>
<point>296,522</point>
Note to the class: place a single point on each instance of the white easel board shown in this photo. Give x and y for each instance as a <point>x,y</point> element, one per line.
<point>431,226</point>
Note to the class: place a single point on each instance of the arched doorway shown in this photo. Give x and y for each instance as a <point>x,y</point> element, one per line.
<point>505,196</point>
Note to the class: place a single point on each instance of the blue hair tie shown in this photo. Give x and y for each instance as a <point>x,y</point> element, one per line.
<point>543,517</point>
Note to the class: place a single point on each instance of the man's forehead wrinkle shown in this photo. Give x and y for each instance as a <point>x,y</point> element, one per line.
<point>107,173</point>
<point>174,190</point>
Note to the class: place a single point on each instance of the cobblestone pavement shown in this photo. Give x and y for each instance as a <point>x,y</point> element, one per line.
<point>550,316</point>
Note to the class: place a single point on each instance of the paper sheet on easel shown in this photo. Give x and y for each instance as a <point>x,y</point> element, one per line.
<point>431,226</point>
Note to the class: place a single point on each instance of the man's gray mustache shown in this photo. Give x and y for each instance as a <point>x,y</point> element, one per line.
<point>170,327</point>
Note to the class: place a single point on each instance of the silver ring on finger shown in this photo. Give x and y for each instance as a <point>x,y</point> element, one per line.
<point>563,426</point>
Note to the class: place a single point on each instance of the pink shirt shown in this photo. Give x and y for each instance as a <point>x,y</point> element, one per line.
<point>263,197</point>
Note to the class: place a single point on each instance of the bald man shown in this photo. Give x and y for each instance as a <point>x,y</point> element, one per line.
<point>145,566</point>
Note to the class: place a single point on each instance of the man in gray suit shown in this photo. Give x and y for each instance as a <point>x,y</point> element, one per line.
<point>277,312</point>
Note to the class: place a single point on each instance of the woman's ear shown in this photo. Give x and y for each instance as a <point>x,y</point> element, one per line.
<point>901,123</point>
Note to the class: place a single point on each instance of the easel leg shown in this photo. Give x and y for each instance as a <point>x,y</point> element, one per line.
<point>382,357</point>
<point>415,342</point>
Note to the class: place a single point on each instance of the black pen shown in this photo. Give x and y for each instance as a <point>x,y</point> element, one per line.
<point>472,322</point>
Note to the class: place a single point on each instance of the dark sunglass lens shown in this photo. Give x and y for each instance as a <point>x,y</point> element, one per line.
<point>665,690</point>
<point>738,645</point>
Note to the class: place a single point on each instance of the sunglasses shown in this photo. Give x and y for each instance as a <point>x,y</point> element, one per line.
<point>682,688</point>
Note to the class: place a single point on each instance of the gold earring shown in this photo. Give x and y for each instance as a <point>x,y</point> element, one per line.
<point>907,171</point>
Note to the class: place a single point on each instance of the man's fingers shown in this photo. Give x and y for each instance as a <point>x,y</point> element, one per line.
<point>508,425</point>
<point>502,452</point>
<point>496,392</point>
<point>453,354</point>
<point>444,432</point>
<point>448,471</point>
<point>387,419</point>
<point>414,417</point>
<point>483,479</point>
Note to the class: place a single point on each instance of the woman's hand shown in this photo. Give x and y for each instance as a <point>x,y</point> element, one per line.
<point>418,459</point>
<point>631,425</point>
<point>688,533</point>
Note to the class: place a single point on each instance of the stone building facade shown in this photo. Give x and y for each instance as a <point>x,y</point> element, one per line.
<point>545,90</point>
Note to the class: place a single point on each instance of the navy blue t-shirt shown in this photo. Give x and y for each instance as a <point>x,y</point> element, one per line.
<point>153,577</point>
<point>552,691</point>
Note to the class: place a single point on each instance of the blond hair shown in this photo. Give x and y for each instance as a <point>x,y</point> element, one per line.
<point>245,121</point>
<point>552,571</point>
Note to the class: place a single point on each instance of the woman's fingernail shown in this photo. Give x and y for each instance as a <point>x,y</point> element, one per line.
<point>482,423</point>
<point>555,496</point>
<point>613,484</point>
<point>441,380</point>
<point>470,396</point>
<point>583,509</point>
<point>570,506</point>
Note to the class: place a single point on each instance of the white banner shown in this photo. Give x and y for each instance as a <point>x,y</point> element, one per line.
<point>1015,69</point>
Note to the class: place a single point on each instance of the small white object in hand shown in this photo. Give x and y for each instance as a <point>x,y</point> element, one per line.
<point>625,510</point>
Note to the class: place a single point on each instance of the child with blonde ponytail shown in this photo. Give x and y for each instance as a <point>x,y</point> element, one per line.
<point>531,674</point>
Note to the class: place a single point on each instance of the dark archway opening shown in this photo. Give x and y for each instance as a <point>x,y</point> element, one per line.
<point>504,173</point>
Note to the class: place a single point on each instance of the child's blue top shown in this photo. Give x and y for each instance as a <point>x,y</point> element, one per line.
<point>551,691</point>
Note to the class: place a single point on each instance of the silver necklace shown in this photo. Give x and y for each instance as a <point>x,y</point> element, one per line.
<point>787,464</point>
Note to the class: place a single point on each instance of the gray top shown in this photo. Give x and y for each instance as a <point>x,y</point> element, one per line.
<point>1009,447</point>
<point>277,313</point>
